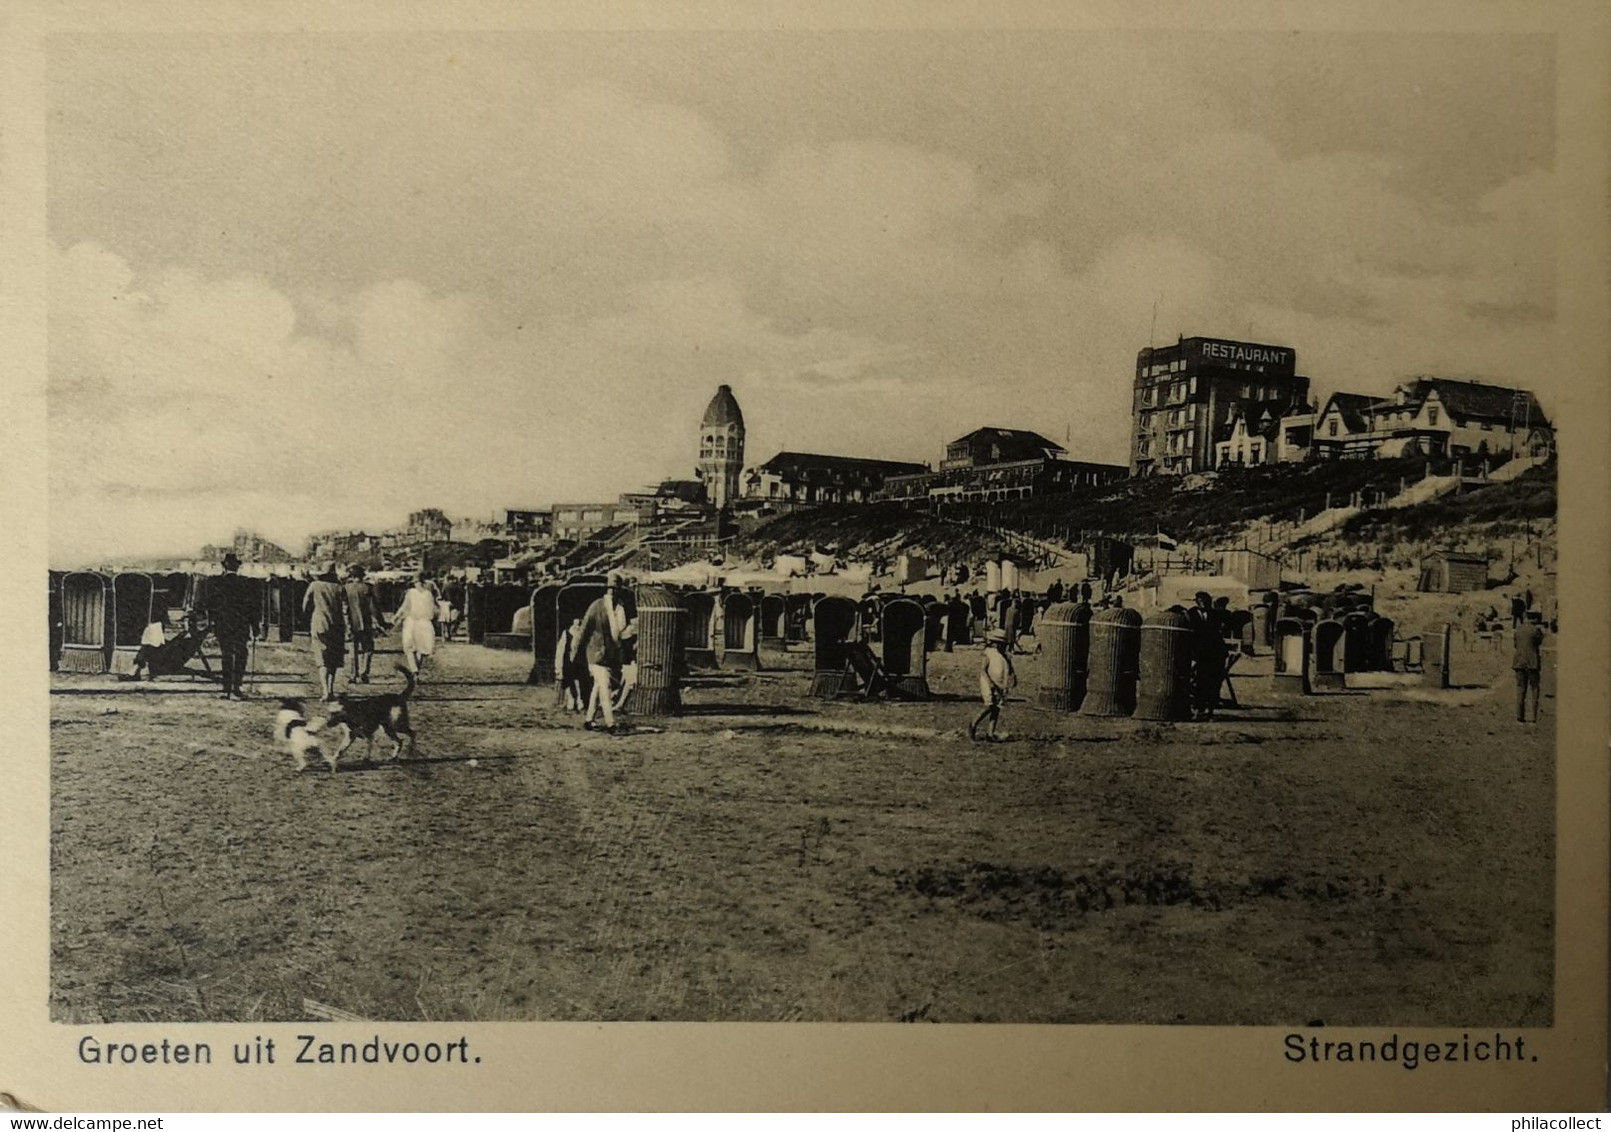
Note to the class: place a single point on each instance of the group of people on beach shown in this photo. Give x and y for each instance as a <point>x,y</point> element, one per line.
<point>1015,612</point>
<point>595,658</point>
<point>1521,611</point>
<point>594,662</point>
<point>339,614</point>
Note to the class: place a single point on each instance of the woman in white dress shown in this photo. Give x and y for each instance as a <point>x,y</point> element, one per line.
<point>417,614</point>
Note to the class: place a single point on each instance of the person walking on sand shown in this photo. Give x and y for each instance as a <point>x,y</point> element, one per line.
<point>1010,612</point>
<point>418,617</point>
<point>363,619</point>
<point>600,645</point>
<point>996,678</point>
<point>324,606</point>
<point>1528,663</point>
<point>234,612</point>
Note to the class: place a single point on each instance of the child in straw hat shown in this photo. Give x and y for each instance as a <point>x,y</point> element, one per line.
<point>996,677</point>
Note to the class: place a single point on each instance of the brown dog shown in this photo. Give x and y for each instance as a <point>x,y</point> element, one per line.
<point>361,716</point>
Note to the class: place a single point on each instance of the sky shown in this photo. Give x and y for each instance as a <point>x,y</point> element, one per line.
<point>313,282</point>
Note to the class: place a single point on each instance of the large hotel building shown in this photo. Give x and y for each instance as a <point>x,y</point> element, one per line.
<point>1187,395</point>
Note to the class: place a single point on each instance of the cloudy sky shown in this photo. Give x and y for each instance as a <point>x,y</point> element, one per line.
<point>309,282</point>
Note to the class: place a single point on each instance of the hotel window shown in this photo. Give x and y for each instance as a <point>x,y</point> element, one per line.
<point>1432,415</point>
<point>1331,429</point>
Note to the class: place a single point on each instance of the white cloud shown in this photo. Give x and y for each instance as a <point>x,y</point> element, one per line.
<point>183,406</point>
<point>530,293</point>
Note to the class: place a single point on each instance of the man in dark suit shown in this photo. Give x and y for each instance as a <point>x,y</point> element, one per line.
<point>1208,656</point>
<point>1527,663</point>
<point>233,610</point>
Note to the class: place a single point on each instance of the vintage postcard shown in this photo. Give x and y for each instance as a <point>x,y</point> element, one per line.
<point>806,556</point>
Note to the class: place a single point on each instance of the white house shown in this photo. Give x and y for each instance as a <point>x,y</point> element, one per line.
<point>1343,427</point>
<point>1265,432</point>
<point>1435,416</point>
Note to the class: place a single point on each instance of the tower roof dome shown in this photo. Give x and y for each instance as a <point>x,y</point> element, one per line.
<point>723,409</point>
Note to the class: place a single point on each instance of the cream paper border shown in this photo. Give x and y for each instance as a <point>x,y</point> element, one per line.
<point>564,1066</point>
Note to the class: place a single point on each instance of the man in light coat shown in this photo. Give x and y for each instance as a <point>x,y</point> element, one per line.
<point>600,645</point>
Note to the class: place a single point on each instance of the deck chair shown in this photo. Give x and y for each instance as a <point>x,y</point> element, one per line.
<point>864,671</point>
<point>173,657</point>
<point>1232,656</point>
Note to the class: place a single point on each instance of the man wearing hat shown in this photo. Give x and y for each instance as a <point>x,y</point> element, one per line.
<point>599,643</point>
<point>324,605</point>
<point>1208,656</point>
<point>234,612</point>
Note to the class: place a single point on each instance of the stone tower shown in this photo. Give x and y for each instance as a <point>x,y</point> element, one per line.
<point>721,448</point>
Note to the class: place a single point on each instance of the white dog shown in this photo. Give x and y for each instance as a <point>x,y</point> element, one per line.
<point>301,737</point>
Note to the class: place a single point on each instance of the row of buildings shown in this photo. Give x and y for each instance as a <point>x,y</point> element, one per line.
<point>1207,403</point>
<point>1199,405</point>
<point>987,464</point>
<point>429,526</point>
<point>678,517</point>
